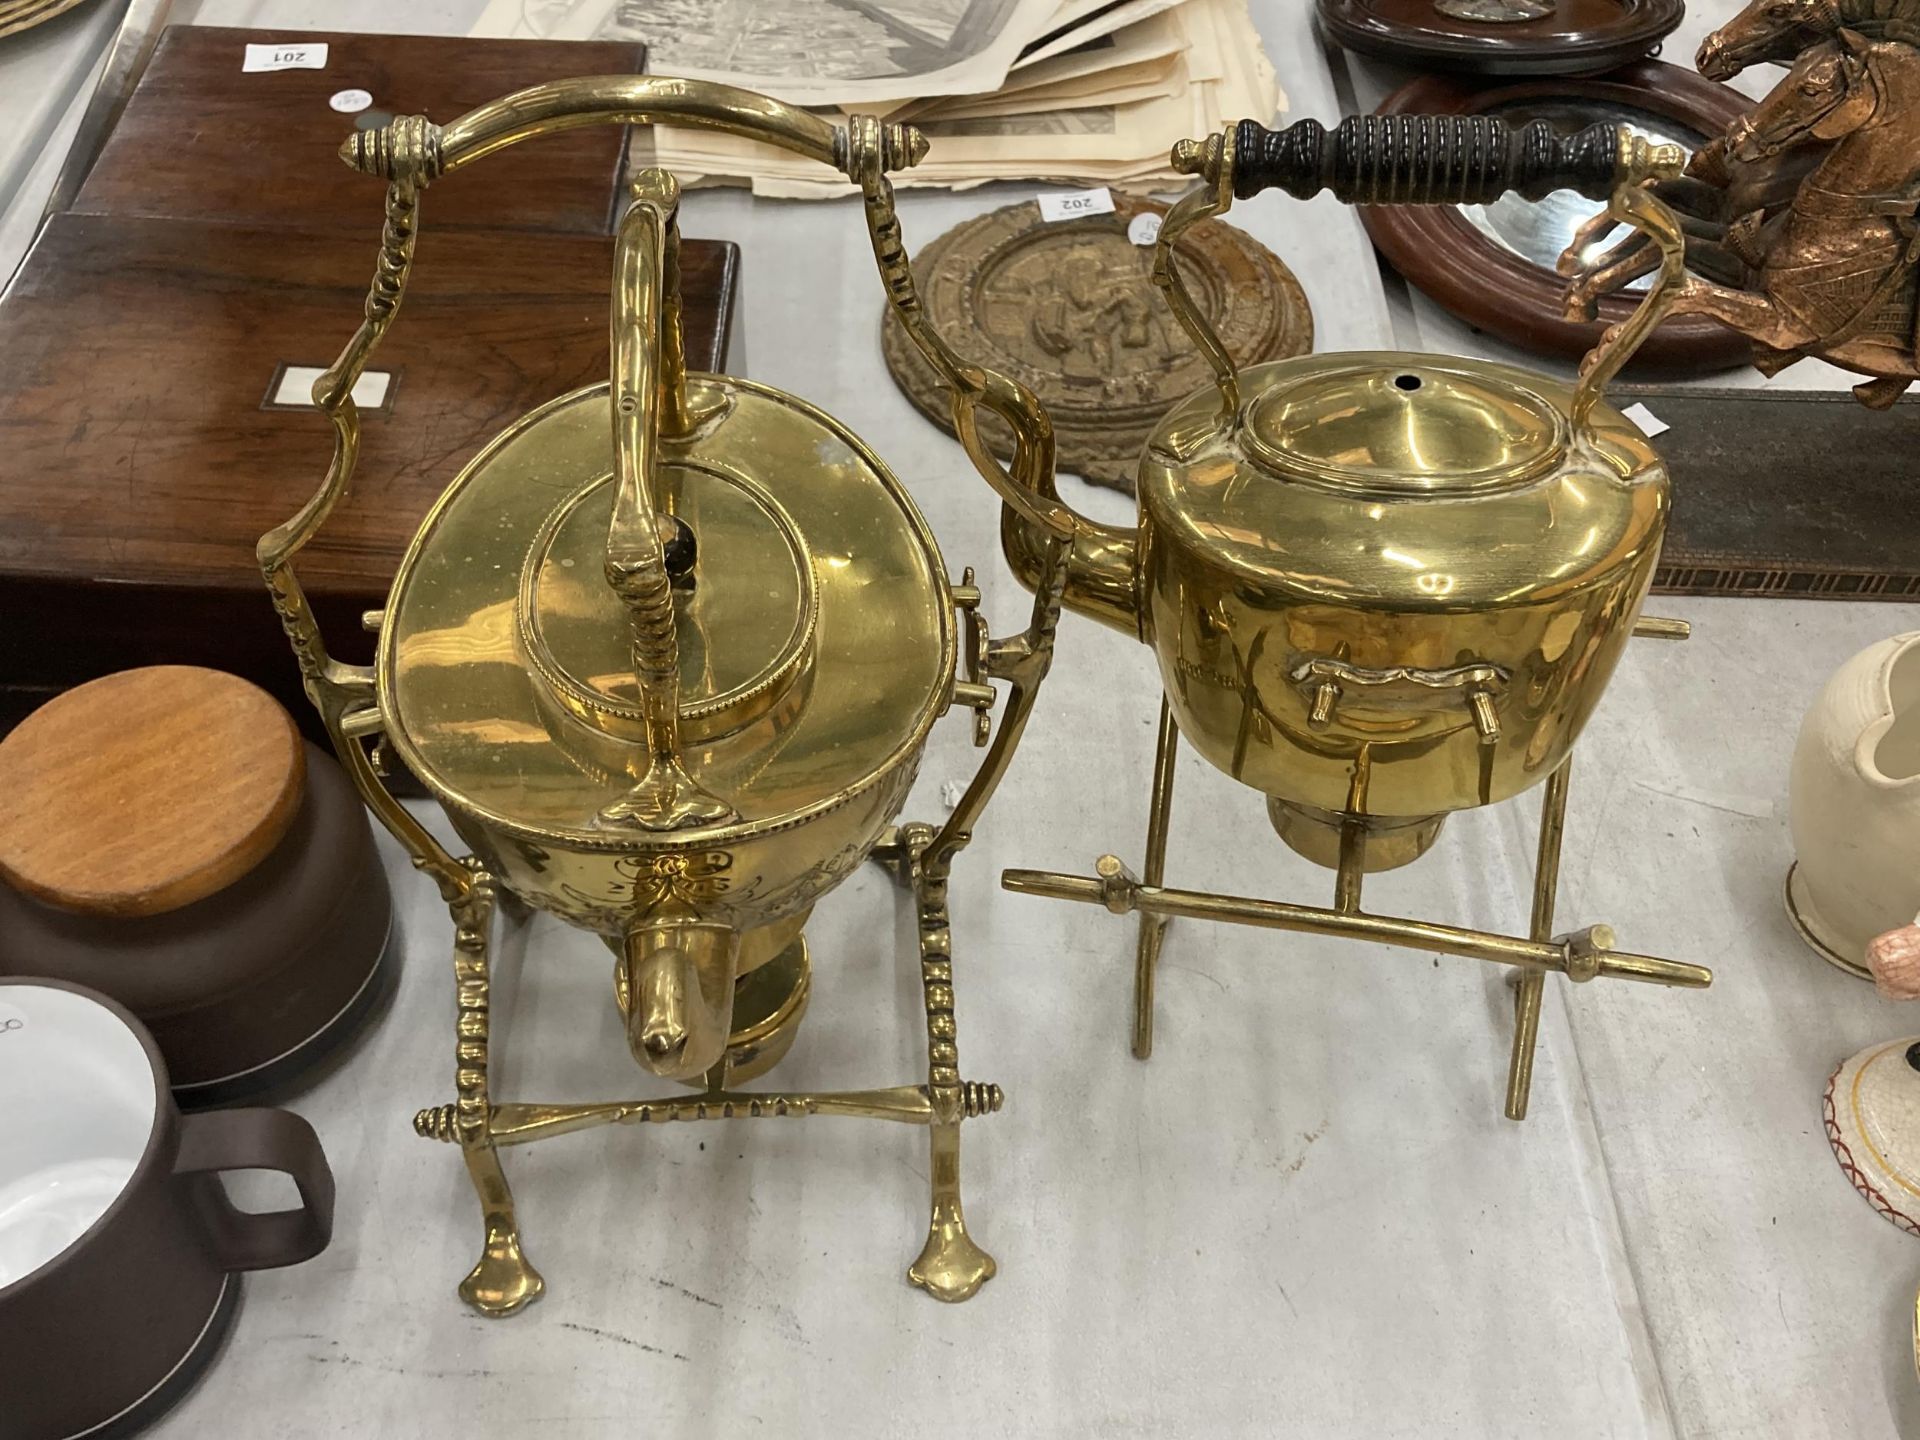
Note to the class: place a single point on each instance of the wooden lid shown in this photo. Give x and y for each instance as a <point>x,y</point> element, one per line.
<point>146,791</point>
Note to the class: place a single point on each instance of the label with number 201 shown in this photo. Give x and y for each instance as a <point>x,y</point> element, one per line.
<point>284,57</point>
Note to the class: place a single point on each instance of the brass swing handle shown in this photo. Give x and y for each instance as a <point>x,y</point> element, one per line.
<point>1027,486</point>
<point>398,150</point>
<point>1429,160</point>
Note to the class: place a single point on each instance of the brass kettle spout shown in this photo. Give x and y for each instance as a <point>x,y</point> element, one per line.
<point>675,984</point>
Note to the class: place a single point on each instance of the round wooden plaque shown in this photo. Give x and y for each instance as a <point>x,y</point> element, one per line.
<point>1468,261</point>
<point>1069,310</point>
<point>1574,37</point>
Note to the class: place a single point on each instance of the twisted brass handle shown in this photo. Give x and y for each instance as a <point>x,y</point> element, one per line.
<point>666,797</point>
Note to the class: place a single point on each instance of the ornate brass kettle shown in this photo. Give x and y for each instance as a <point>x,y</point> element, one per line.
<point>1382,587</point>
<point>667,653</point>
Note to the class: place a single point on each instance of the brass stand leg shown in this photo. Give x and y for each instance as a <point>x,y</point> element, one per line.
<point>1153,928</point>
<point>1546,885</point>
<point>503,1282</point>
<point>951,1267</point>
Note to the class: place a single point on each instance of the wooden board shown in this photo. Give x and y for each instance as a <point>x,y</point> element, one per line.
<point>146,791</point>
<point>139,465</point>
<point>201,140</point>
<point>1797,493</point>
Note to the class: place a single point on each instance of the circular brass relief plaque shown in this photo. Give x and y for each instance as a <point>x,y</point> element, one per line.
<point>1069,310</point>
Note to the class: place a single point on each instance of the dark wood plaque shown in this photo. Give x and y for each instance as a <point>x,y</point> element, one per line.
<point>140,460</point>
<point>199,139</point>
<point>1574,37</point>
<point>1068,308</point>
<point>1796,493</point>
<point>1467,272</point>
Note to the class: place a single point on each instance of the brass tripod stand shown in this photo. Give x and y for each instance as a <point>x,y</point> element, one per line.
<point>1579,955</point>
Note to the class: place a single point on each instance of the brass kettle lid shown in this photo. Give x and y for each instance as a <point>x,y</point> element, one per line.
<point>745,606</point>
<point>816,645</point>
<point>1407,480</point>
<point>1393,425</point>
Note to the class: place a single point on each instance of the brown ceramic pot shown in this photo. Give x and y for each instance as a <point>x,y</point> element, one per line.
<point>119,1249</point>
<point>253,984</point>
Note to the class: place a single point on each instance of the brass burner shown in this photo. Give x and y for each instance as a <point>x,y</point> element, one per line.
<point>767,1006</point>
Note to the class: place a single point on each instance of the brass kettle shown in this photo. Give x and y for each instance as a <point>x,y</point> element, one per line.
<point>667,653</point>
<point>1383,587</point>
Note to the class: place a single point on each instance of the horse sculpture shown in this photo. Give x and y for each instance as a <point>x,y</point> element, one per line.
<point>1832,273</point>
<point>1780,31</point>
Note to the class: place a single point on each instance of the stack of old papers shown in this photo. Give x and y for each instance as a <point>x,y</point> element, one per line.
<point>1083,91</point>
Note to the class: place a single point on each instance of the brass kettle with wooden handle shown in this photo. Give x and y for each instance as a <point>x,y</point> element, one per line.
<point>1378,584</point>
<point>667,652</point>
<point>1381,587</point>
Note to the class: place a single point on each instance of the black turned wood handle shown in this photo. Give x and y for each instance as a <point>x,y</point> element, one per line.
<point>1424,159</point>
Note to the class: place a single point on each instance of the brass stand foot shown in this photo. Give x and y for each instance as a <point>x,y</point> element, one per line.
<point>504,1282</point>
<point>951,1267</point>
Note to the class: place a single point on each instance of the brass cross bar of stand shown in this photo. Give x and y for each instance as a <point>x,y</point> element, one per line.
<point>1582,955</point>
<point>518,1124</point>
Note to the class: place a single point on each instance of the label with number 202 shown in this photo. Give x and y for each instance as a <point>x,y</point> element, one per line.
<point>1074,204</point>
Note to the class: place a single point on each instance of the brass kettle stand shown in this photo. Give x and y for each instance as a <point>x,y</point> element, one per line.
<point>1412,161</point>
<point>1580,955</point>
<point>357,711</point>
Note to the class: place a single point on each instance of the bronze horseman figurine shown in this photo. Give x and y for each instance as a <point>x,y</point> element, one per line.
<point>1801,219</point>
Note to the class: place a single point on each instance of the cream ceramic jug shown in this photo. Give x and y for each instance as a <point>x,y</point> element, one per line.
<point>1854,805</point>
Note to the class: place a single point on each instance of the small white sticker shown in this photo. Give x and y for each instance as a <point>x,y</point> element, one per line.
<point>350,102</point>
<point>950,793</point>
<point>284,57</point>
<point>296,387</point>
<point>1144,228</point>
<point>1074,204</point>
<point>1650,424</point>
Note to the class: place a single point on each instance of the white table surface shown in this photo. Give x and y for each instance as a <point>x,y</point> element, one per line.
<point>1304,1216</point>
